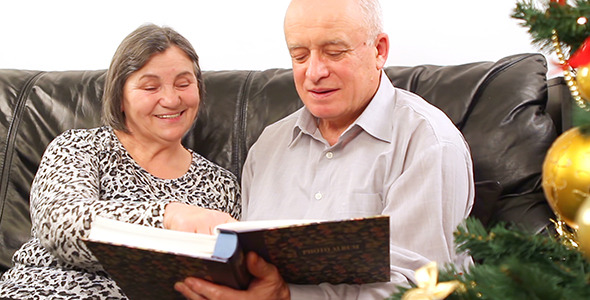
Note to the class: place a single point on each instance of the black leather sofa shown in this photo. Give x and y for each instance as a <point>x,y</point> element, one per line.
<point>507,110</point>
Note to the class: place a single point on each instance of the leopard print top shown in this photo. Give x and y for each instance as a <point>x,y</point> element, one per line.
<point>86,173</point>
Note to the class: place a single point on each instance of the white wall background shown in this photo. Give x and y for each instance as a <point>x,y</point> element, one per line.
<point>245,34</point>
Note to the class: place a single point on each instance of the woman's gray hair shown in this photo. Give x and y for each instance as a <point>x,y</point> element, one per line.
<point>131,55</point>
<point>372,18</point>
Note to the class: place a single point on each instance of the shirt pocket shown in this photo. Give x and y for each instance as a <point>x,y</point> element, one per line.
<point>361,205</point>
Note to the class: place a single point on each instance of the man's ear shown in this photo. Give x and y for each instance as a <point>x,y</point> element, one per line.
<point>381,50</point>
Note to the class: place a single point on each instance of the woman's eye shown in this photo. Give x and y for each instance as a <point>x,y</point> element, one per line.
<point>183,85</point>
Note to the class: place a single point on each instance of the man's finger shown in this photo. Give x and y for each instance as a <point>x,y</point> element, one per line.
<point>208,290</point>
<point>258,266</point>
<point>187,292</point>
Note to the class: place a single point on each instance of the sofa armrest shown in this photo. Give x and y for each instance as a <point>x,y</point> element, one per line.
<point>559,103</point>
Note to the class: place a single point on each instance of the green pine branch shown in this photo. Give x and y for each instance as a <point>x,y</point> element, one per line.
<point>541,21</point>
<point>512,264</point>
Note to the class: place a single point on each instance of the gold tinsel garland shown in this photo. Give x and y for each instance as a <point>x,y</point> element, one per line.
<point>567,74</point>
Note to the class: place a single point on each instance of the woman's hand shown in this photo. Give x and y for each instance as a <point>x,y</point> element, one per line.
<point>184,217</point>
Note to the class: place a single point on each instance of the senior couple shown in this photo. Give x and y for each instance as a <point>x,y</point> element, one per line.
<point>392,153</point>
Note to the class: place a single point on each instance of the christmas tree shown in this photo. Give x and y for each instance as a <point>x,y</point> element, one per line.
<point>510,263</point>
<point>513,264</point>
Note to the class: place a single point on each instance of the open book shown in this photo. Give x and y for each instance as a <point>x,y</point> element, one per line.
<point>146,261</point>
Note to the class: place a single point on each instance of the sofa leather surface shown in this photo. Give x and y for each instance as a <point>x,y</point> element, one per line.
<point>499,106</point>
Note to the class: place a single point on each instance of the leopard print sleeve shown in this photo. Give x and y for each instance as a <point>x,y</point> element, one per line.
<point>63,193</point>
<point>66,194</point>
<point>87,172</point>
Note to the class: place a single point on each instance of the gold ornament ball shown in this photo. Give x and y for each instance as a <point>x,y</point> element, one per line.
<point>583,232</point>
<point>583,81</point>
<point>566,174</point>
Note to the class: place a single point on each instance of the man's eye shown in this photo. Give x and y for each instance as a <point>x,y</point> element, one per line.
<point>335,54</point>
<point>298,57</point>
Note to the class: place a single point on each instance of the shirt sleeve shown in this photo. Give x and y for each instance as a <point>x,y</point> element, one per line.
<point>428,201</point>
<point>65,198</point>
<point>348,291</point>
<point>426,204</point>
<point>246,182</point>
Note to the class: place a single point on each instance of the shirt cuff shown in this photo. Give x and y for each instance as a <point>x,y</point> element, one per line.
<point>305,292</point>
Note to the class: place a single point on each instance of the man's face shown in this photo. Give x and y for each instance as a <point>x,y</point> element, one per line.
<point>335,66</point>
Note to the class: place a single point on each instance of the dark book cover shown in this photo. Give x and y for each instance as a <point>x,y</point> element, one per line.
<point>353,251</point>
<point>149,274</point>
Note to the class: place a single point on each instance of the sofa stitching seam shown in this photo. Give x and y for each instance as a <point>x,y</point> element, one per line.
<point>10,137</point>
<point>240,125</point>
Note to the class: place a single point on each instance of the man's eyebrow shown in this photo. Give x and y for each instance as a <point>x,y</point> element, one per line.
<point>337,42</point>
<point>293,47</point>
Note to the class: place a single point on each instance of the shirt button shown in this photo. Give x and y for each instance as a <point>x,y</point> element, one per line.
<point>329,155</point>
<point>318,196</point>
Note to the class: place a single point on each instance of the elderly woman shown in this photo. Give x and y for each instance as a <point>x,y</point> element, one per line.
<point>134,169</point>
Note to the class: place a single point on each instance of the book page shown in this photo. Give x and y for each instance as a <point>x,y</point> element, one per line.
<point>262,224</point>
<point>145,237</point>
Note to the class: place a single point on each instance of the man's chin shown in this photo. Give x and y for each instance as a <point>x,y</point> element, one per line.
<point>323,114</point>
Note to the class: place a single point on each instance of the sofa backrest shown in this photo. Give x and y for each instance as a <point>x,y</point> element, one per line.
<point>499,107</point>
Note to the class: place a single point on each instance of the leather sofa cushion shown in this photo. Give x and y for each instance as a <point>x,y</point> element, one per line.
<point>499,107</point>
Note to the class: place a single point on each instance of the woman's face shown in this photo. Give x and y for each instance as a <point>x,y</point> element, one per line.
<point>161,100</point>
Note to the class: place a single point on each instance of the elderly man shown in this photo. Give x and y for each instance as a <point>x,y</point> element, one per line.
<point>359,147</point>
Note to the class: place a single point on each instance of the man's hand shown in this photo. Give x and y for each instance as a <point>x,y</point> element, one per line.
<point>267,284</point>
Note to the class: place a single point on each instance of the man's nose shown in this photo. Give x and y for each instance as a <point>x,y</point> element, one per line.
<point>316,68</point>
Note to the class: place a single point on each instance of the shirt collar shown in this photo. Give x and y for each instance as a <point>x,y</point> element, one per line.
<point>306,124</point>
<point>375,119</point>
